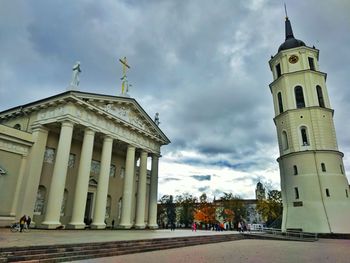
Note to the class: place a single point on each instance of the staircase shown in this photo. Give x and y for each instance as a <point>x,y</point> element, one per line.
<point>71,252</point>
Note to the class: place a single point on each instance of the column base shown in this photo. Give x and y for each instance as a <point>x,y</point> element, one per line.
<point>124,226</point>
<point>76,226</point>
<point>140,226</point>
<point>97,226</point>
<point>153,226</point>
<point>51,225</point>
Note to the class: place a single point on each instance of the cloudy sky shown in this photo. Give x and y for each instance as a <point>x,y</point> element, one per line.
<point>202,64</point>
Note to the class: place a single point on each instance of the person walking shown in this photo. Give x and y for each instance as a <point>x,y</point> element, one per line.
<point>22,221</point>
<point>194,227</point>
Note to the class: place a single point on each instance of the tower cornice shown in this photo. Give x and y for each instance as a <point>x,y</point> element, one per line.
<point>307,152</point>
<point>301,110</point>
<point>284,75</point>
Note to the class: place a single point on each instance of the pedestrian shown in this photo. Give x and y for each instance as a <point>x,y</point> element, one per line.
<point>29,220</point>
<point>112,223</point>
<point>239,227</point>
<point>172,226</point>
<point>194,227</point>
<point>22,221</point>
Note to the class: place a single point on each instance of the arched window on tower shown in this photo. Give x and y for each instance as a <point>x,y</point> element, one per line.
<point>320,96</point>
<point>299,97</point>
<point>280,103</point>
<point>304,136</point>
<point>285,145</point>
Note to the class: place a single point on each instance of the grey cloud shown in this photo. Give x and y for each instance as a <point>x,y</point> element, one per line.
<point>201,177</point>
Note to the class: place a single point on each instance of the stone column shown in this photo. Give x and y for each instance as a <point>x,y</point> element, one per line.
<point>102,187</point>
<point>125,221</point>
<point>153,196</point>
<point>141,192</point>
<point>31,179</point>
<point>58,181</point>
<point>82,184</point>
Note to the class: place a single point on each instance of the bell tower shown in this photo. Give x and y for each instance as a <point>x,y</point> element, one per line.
<point>315,190</point>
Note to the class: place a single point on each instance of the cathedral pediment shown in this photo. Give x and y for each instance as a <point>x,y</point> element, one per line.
<point>117,115</point>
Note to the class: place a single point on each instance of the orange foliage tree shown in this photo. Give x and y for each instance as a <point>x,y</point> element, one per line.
<point>205,214</point>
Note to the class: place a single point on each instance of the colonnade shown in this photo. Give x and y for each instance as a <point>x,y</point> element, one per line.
<point>56,191</point>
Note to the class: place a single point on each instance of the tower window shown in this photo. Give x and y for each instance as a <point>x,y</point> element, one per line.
<point>346,193</point>
<point>304,137</point>
<point>285,145</point>
<point>296,191</point>
<point>299,97</point>
<point>323,167</point>
<point>341,169</point>
<point>278,70</point>
<point>280,103</point>
<point>320,96</point>
<point>327,192</point>
<point>311,63</point>
<point>295,168</point>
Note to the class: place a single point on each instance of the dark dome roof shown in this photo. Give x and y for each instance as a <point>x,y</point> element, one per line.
<point>291,43</point>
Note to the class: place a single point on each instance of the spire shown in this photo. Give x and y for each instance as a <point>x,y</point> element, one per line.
<point>289,30</point>
<point>291,41</point>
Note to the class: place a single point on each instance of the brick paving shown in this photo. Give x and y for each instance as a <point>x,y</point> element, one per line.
<point>248,251</point>
<point>50,237</point>
<point>245,251</point>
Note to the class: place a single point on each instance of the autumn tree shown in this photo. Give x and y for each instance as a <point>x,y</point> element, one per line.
<point>205,211</point>
<point>271,208</point>
<point>187,204</point>
<point>233,209</point>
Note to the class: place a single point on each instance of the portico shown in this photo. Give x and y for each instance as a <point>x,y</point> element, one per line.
<point>83,140</point>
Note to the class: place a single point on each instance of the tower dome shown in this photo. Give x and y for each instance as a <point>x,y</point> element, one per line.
<point>290,41</point>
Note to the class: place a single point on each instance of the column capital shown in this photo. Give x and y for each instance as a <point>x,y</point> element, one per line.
<point>89,131</point>
<point>39,127</point>
<point>67,123</point>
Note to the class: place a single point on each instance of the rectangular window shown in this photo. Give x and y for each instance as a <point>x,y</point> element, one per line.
<point>278,70</point>
<point>341,169</point>
<point>49,155</point>
<point>296,191</point>
<point>327,192</point>
<point>311,63</point>
<point>95,168</point>
<point>112,170</point>
<point>295,169</point>
<point>323,167</point>
<point>346,193</point>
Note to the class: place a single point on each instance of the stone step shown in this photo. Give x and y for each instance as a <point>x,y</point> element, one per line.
<point>69,252</point>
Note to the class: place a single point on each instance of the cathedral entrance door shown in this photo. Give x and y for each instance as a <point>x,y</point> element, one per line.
<point>88,208</point>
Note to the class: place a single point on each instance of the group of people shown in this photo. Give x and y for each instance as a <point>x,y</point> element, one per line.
<point>24,221</point>
<point>241,226</point>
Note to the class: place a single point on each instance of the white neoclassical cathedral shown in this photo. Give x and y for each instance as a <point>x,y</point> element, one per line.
<point>315,190</point>
<point>77,159</point>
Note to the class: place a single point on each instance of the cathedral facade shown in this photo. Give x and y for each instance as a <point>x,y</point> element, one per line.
<point>78,159</point>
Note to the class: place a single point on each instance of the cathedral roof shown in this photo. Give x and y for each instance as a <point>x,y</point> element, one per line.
<point>290,41</point>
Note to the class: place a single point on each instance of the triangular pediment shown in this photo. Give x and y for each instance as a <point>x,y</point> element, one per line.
<point>121,110</point>
<point>125,109</point>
